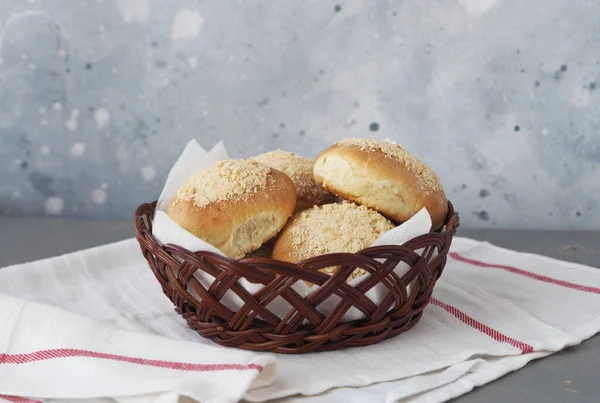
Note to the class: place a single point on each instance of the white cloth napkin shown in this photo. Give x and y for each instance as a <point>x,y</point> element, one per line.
<point>194,158</point>
<point>49,352</point>
<point>494,311</point>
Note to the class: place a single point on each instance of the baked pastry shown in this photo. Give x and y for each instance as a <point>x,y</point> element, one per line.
<point>332,228</point>
<point>300,171</point>
<point>234,205</point>
<point>383,176</point>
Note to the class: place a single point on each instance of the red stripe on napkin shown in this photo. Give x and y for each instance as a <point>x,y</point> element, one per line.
<point>525,273</point>
<point>69,352</point>
<point>488,331</point>
<point>17,399</point>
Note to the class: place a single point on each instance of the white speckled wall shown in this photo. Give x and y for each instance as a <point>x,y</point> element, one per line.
<point>97,98</point>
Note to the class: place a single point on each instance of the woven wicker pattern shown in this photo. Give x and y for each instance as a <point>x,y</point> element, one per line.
<point>303,329</point>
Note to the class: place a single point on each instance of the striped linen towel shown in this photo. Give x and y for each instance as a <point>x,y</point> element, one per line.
<point>493,311</point>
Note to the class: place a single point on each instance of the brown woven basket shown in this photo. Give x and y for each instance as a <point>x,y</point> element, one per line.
<point>303,329</point>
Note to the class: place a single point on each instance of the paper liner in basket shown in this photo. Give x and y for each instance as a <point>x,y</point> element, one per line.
<point>195,158</point>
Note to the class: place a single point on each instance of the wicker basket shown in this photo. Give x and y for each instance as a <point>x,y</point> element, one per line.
<point>304,329</point>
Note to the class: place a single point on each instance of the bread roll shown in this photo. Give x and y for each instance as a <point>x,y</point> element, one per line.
<point>234,205</point>
<point>300,171</point>
<point>383,176</point>
<point>332,228</point>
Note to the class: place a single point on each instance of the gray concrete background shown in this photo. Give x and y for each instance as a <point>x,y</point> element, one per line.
<point>500,97</point>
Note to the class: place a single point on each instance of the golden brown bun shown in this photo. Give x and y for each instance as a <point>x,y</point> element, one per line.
<point>300,171</point>
<point>383,176</point>
<point>332,228</point>
<point>235,205</point>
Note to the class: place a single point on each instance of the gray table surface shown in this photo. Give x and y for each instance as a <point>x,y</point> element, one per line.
<point>572,375</point>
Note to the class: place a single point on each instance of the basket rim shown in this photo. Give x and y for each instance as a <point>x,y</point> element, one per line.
<point>448,229</point>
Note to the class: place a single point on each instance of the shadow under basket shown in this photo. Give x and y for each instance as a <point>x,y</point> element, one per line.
<point>304,328</point>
